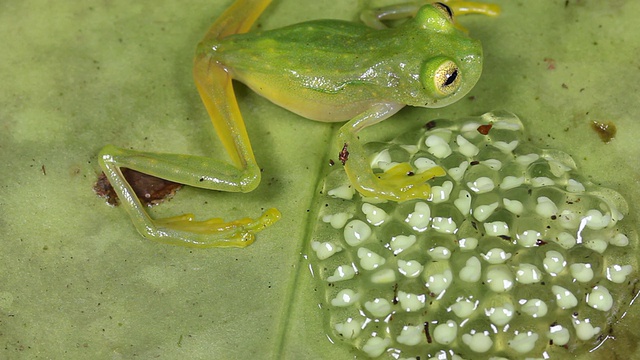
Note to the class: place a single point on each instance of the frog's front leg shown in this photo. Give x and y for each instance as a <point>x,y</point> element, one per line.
<point>471,7</point>
<point>400,183</point>
<point>216,90</point>
<point>374,17</point>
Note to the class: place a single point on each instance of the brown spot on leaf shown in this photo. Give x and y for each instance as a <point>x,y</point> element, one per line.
<point>607,131</point>
<point>551,63</point>
<point>149,189</point>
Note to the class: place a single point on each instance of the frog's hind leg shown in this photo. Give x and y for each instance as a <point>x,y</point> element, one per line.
<point>183,229</point>
<point>237,19</point>
<point>216,90</point>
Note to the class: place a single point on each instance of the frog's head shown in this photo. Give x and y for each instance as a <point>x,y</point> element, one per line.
<point>454,61</point>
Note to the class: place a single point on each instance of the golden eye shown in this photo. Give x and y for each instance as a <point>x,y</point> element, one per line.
<point>446,78</point>
<point>444,9</point>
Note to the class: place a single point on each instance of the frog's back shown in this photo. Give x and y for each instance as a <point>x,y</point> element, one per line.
<point>311,68</point>
<point>316,43</point>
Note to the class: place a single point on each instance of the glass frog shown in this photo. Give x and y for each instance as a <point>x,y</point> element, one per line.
<point>324,70</point>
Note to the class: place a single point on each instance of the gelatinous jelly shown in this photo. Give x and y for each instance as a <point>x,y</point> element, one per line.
<point>514,255</point>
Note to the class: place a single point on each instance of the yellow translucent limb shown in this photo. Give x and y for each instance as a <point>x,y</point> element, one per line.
<point>374,17</point>
<point>183,229</point>
<point>412,185</point>
<point>241,175</point>
<point>216,91</point>
<point>237,233</point>
<point>215,84</point>
<point>399,183</point>
<point>237,19</point>
<point>472,7</point>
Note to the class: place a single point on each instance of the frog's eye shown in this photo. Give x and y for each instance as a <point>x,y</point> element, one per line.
<point>441,76</point>
<point>444,9</point>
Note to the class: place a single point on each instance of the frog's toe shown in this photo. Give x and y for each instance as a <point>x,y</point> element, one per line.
<point>400,183</point>
<point>407,183</point>
<point>214,232</point>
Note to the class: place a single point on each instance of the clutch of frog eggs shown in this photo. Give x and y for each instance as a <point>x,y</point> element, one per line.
<point>514,255</point>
